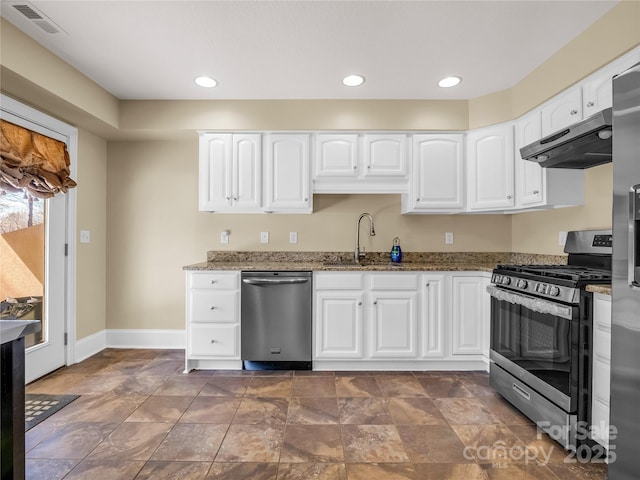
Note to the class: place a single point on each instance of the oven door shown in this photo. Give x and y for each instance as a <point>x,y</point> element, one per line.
<point>537,341</point>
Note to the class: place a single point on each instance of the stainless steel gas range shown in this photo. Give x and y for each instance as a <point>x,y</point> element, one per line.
<point>541,335</point>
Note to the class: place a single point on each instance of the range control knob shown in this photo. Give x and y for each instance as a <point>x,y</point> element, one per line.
<point>522,283</point>
<point>497,279</point>
<point>554,291</point>
<point>505,280</point>
<point>541,288</point>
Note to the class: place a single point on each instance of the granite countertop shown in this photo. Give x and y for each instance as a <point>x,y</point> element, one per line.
<point>375,261</point>
<point>603,289</point>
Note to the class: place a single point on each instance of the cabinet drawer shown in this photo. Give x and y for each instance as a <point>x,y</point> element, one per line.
<point>207,306</point>
<point>214,340</point>
<point>217,281</point>
<point>394,281</point>
<point>339,281</point>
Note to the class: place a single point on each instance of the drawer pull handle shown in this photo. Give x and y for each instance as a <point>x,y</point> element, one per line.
<point>520,391</point>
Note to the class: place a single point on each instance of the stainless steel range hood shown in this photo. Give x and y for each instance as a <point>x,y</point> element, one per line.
<point>583,145</point>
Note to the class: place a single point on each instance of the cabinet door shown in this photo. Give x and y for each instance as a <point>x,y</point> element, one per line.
<point>490,155</point>
<point>437,179</point>
<point>338,330</point>
<point>432,316</point>
<point>562,111</point>
<point>467,315</point>
<point>287,173</point>
<point>529,175</point>
<point>215,172</point>
<point>597,90</point>
<point>393,323</point>
<point>336,155</point>
<point>385,155</point>
<point>247,169</point>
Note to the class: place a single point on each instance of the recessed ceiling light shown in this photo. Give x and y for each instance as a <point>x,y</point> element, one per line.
<point>448,82</point>
<point>206,82</point>
<point>353,80</point>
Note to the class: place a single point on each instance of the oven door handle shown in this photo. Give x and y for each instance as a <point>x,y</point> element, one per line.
<point>532,303</point>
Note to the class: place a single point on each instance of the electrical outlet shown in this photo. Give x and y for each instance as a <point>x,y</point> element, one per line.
<point>293,237</point>
<point>264,237</point>
<point>85,236</point>
<point>562,238</point>
<point>224,236</point>
<point>448,238</point>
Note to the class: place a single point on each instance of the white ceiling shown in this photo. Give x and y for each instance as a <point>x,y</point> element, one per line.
<point>302,49</point>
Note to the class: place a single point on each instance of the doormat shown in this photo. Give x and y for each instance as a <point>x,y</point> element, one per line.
<point>39,407</point>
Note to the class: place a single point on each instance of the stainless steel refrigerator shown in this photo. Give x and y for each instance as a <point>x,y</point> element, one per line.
<point>625,333</point>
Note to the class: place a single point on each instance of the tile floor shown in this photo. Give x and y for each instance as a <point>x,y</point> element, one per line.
<point>139,417</point>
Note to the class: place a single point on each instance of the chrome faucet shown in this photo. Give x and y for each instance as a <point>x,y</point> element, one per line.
<point>372,233</point>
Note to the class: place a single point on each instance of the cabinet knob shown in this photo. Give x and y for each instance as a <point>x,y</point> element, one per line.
<point>228,198</point>
<point>359,303</point>
<point>375,302</point>
<point>212,282</point>
<point>536,192</point>
<point>418,199</point>
<point>426,284</point>
<point>508,197</point>
<point>355,167</point>
<point>368,166</point>
<point>235,199</point>
<point>213,341</point>
<point>590,104</point>
<point>573,112</point>
<point>306,199</point>
<point>213,308</point>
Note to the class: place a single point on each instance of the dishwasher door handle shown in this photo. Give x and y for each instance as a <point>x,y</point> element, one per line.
<point>274,281</point>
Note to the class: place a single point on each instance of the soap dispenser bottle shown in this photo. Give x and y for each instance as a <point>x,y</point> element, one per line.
<point>396,252</point>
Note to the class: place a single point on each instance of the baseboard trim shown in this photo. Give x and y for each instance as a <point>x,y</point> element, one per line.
<point>88,346</point>
<point>145,338</point>
<point>95,343</point>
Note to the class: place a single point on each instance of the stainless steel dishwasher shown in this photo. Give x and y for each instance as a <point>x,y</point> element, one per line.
<point>276,320</point>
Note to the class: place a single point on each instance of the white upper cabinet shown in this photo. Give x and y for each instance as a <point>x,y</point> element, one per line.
<point>597,90</point>
<point>385,155</point>
<point>230,172</point>
<point>529,175</point>
<point>360,163</point>
<point>542,187</point>
<point>336,155</point>
<point>287,173</point>
<point>490,177</point>
<point>563,111</point>
<point>437,179</point>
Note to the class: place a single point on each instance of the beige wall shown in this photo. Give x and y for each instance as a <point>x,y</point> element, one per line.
<point>91,259</point>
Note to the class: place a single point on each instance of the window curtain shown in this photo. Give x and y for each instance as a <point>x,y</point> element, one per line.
<point>32,162</point>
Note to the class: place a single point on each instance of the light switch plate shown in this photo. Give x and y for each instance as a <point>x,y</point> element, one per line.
<point>85,236</point>
<point>293,237</point>
<point>224,236</point>
<point>264,237</point>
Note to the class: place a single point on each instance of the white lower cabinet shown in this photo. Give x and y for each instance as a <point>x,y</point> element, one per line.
<point>601,365</point>
<point>400,320</point>
<point>212,320</point>
<point>467,317</point>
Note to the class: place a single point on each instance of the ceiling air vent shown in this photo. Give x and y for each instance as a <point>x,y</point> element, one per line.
<point>37,17</point>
